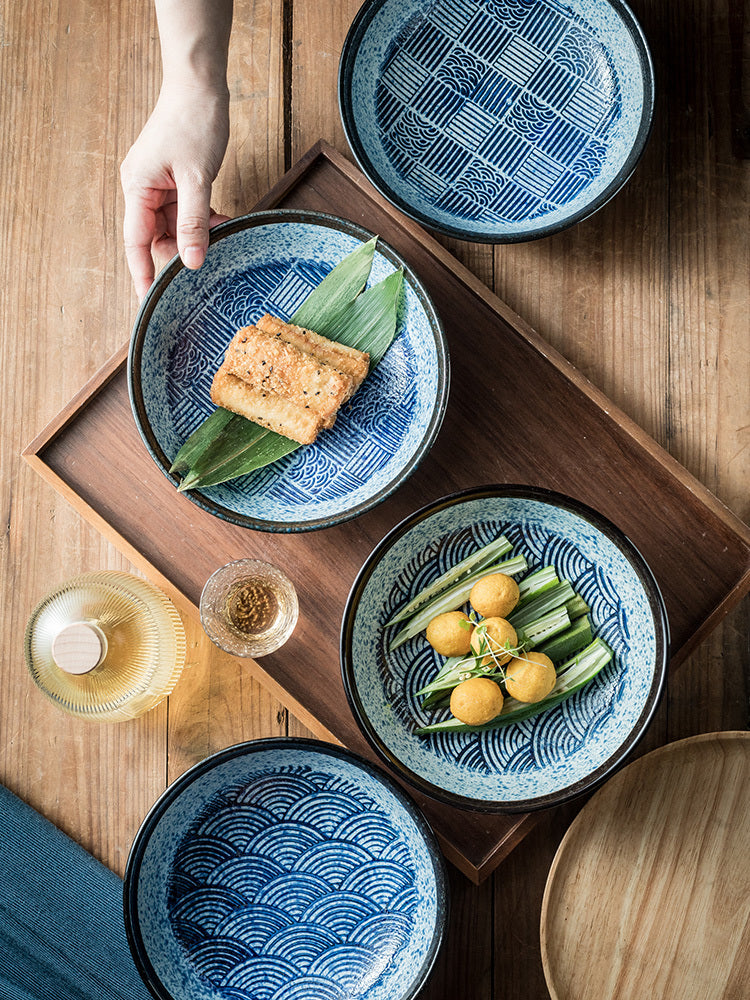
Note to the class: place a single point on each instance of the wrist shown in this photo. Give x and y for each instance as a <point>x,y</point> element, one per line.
<point>196,70</point>
<point>194,36</point>
<point>198,89</point>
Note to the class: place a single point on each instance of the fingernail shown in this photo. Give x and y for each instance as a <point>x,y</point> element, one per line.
<point>192,257</point>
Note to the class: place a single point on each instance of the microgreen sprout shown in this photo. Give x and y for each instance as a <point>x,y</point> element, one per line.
<point>471,622</point>
<point>487,647</point>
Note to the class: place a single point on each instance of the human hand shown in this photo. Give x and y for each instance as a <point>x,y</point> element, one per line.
<point>166,178</point>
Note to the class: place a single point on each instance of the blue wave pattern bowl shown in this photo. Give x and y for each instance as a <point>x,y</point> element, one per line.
<point>284,869</point>
<point>552,756</point>
<point>496,120</point>
<point>270,262</point>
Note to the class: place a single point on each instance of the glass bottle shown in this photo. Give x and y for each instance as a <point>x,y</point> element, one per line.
<point>106,646</point>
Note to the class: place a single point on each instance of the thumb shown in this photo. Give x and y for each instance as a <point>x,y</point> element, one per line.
<point>192,221</point>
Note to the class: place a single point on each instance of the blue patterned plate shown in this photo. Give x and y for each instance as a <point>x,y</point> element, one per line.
<point>269,262</point>
<point>496,120</point>
<point>557,754</point>
<point>289,870</point>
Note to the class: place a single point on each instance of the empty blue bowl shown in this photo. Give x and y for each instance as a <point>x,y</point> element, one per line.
<point>270,262</point>
<point>496,120</point>
<point>557,754</point>
<point>287,869</point>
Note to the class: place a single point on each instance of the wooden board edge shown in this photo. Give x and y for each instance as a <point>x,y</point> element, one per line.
<point>481,871</point>
<point>88,391</point>
<point>730,601</point>
<point>518,325</point>
<point>292,177</point>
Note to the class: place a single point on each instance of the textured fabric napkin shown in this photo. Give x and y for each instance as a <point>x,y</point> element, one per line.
<point>62,935</point>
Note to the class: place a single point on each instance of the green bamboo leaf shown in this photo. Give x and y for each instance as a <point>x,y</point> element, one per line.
<point>229,450</point>
<point>338,288</point>
<point>202,438</point>
<point>369,322</point>
<point>324,303</point>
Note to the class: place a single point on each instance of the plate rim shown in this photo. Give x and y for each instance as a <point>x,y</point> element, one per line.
<point>656,603</point>
<point>675,747</point>
<point>252,220</point>
<point>357,30</point>
<point>149,824</point>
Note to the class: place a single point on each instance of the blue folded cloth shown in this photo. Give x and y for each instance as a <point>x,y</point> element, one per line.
<point>62,935</point>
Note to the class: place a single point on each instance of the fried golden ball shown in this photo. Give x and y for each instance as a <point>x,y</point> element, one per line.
<point>448,636</point>
<point>476,701</point>
<point>497,634</point>
<point>530,677</point>
<point>494,595</point>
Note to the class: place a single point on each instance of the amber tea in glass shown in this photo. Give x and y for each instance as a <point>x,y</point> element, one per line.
<point>249,608</point>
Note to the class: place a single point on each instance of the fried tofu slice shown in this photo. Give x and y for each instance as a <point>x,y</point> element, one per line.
<point>265,408</point>
<point>346,359</point>
<point>273,365</point>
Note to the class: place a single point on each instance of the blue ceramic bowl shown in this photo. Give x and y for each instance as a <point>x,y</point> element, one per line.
<point>270,262</point>
<point>557,754</point>
<point>496,120</point>
<point>289,869</point>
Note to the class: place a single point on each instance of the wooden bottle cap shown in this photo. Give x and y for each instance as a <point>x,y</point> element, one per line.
<point>79,647</point>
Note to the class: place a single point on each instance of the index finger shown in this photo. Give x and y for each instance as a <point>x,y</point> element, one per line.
<point>139,228</point>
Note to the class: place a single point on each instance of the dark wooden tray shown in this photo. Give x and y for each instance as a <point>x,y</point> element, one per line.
<point>554,429</point>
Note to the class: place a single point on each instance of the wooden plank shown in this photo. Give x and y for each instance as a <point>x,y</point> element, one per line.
<point>317,34</point>
<point>254,159</point>
<point>708,368</point>
<point>65,306</point>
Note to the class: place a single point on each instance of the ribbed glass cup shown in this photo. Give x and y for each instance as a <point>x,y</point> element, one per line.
<point>249,608</point>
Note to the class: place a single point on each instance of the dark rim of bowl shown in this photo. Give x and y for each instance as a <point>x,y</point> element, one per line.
<point>656,603</point>
<point>140,843</point>
<point>352,42</point>
<point>135,357</point>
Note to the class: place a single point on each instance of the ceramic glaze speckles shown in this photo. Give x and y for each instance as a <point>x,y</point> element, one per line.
<point>284,869</point>
<point>496,120</point>
<point>557,753</point>
<point>270,262</point>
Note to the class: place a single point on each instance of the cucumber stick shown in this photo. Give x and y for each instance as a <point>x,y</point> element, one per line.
<point>453,598</point>
<point>571,677</point>
<point>483,557</point>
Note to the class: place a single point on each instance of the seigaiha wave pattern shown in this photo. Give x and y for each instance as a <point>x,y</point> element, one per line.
<point>495,117</point>
<point>377,436</point>
<point>550,752</point>
<point>291,875</point>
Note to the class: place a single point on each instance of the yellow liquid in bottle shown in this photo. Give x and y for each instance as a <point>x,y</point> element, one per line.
<point>106,646</point>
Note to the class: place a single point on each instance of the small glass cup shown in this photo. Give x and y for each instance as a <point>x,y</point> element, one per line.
<point>249,608</point>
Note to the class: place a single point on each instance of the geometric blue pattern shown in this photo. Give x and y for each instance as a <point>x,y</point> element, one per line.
<point>498,118</point>
<point>288,871</point>
<point>270,262</point>
<point>540,760</point>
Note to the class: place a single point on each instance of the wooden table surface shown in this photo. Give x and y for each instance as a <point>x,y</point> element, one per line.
<point>649,298</point>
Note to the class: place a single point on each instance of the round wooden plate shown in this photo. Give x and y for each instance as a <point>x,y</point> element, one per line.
<point>649,892</point>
